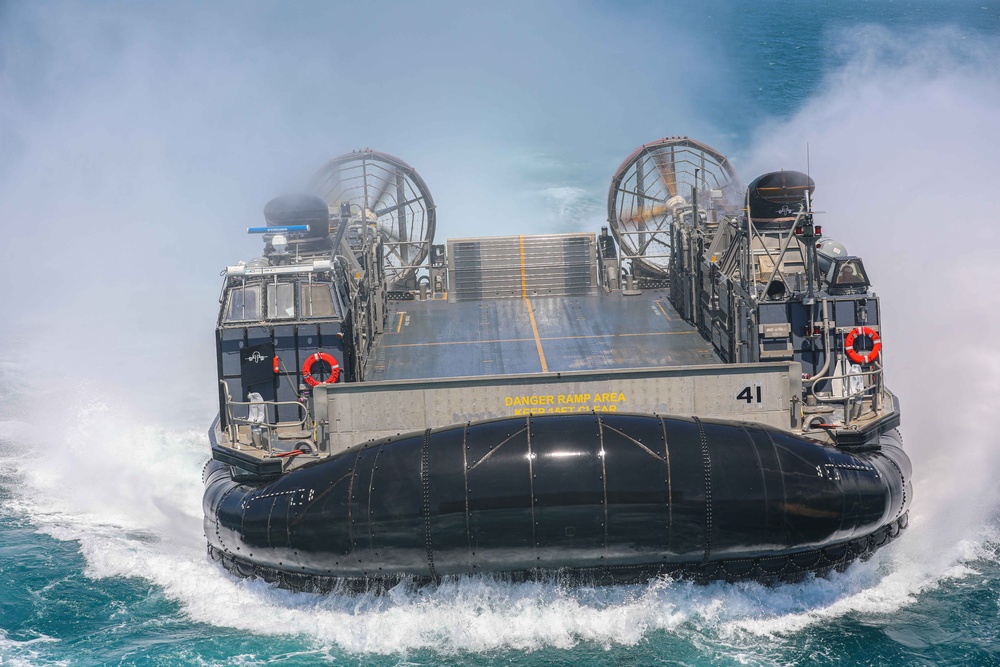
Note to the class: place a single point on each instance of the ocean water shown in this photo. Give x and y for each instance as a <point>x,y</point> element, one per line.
<point>102,438</point>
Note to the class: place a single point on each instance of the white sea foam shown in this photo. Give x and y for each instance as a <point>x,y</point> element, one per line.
<point>903,153</point>
<point>25,653</point>
<point>131,498</point>
<point>903,146</point>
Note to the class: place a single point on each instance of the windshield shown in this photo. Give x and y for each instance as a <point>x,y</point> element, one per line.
<point>850,273</point>
<point>280,301</point>
<point>316,300</point>
<point>244,304</point>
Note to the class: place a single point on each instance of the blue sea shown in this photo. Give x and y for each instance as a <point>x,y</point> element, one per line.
<point>138,139</point>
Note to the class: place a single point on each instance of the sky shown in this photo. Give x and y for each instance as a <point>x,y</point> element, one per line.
<point>139,139</point>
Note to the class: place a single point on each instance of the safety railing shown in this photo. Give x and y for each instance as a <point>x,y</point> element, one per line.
<point>261,431</point>
<point>871,386</point>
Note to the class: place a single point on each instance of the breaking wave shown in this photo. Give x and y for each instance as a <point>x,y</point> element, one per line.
<point>131,498</point>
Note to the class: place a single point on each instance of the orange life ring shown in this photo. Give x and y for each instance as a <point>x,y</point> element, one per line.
<point>320,356</point>
<point>858,357</point>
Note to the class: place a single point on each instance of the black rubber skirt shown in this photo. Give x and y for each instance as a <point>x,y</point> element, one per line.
<point>604,498</point>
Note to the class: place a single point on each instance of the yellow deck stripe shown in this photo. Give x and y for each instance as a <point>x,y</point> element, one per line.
<point>531,311</point>
<point>660,306</point>
<point>538,340</point>
<point>400,325</point>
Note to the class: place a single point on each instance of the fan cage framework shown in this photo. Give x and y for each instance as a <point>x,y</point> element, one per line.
<point>654,182</point>
<point>385,191</point>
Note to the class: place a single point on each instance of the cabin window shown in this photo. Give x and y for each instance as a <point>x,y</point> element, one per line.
<point>280,301</point>
<point>244,304</point>
<point>316,301</point>
<point>850,273</point>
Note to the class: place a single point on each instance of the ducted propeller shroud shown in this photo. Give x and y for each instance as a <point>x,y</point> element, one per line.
<point>653,183</point>
<point>385,191</point>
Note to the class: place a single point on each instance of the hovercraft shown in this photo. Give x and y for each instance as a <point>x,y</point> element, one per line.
<point>698,392</point>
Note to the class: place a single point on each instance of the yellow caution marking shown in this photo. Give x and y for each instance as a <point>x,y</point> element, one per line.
<point>462,342</point>
<point>624,335</point>
<point>534,330</point>
<point>399,326</point>
<point>660,306</point>
<point>531,311</point>
<point>539,339</point>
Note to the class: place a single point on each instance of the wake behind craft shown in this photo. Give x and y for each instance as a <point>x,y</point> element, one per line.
<point>696,390</point>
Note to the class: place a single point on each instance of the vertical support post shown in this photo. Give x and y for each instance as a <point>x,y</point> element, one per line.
<point>319,407</point>
<point>404,248</point>
<point>640,188</point>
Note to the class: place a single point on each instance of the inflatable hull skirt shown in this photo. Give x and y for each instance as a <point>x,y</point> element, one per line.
<point>595,498</point>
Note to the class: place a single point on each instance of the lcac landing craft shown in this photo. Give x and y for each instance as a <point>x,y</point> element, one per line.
<point>697,390</point>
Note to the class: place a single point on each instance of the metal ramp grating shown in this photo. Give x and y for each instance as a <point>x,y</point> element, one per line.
<point>505,267</point>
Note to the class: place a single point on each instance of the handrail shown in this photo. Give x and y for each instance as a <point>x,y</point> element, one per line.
<point>846,376</point>
<point>234,422</point>
<point>875,388</point>
<point>229,411</point>
<point>271,428</point>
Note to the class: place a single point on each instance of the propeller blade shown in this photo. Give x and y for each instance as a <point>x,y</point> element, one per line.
<point>646,214</point>
<point>667,170</point>
<point>383,188</point>
<point>380,213</point>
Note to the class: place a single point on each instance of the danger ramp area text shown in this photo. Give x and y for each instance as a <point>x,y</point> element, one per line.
<point>541,404</point>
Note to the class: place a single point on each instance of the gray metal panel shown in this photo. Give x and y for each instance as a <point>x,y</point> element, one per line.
<point>284,347</point>
<point>232,342</point>
<point>328,335</point>
<point>257,336</point>
<point>844,313</point>
<point>287,379</point>
<point>332,344</point>
<point>772,313</point>
<point>370,410</point>
<point>873,319</point>
<point>309,342</point>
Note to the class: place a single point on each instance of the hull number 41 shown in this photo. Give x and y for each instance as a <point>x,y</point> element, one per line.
<point>750,394</point>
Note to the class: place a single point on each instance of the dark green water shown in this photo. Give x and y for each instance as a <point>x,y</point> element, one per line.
<point>101,552</point>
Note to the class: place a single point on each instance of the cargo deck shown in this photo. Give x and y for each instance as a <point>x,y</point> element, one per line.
<point>592,332</point>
